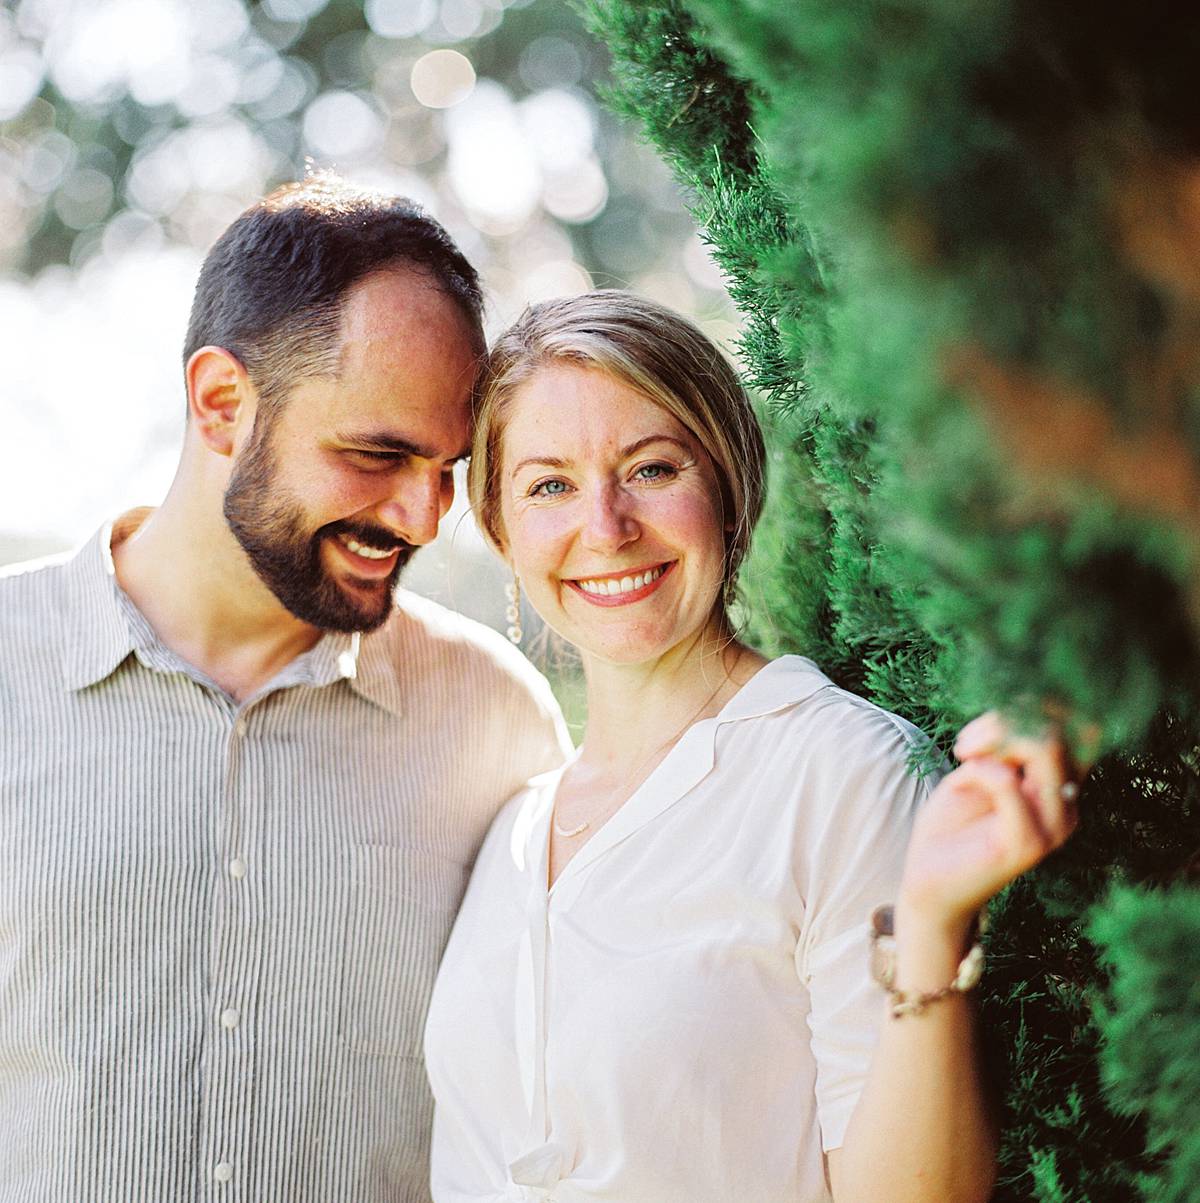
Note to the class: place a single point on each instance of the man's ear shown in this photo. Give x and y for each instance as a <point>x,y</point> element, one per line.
<point>220,397</point>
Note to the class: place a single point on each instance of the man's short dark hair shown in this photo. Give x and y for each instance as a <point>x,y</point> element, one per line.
<point>271,289</point>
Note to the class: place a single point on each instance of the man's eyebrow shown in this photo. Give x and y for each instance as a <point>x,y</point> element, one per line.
<point>550,461</point>
<point>378,441</point>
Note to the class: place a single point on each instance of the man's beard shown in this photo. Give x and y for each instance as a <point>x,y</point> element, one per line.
<point>270,526</point>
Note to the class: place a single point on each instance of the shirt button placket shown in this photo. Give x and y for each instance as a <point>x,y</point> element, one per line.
<point>236,933</point>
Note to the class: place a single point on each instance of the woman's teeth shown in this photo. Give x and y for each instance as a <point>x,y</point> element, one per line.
<point>626,584</point>
<point>361,549</point>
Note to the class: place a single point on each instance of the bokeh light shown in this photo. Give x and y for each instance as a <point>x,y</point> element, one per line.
<point>342,127</point>
<point>492,167</point>
<point>442,79</point>
<point>400,18</point>
<point>20,78</point>
<point>557,278</point>
<point>551,61</point>
<point>293,10</point>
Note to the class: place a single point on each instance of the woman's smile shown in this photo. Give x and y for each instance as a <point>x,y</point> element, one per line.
<point>621,588</point>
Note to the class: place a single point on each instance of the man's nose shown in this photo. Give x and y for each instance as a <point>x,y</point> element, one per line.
<point>610,521</point>
<point>416,506</point>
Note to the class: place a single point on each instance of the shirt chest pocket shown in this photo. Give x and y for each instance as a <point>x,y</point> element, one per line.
<point>402,906</point>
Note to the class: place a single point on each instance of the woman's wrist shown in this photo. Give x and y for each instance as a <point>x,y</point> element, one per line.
<point>929,945</point>
<point>932,918</point>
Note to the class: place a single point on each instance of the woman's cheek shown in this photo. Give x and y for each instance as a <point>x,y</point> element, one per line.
<point>692,514</point>
<point>537,536</point>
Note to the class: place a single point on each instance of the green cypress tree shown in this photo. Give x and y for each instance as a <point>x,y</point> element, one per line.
<point>917,205</point>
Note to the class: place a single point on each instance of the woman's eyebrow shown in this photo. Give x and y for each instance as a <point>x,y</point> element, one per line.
<point>634,448</point>
<point>541,461</point>
<point>550,461</point>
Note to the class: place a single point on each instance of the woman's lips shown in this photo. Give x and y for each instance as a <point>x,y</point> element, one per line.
<point>627,596</point>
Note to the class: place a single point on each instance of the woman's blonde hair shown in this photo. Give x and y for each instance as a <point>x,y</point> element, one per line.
<point>652,349</point>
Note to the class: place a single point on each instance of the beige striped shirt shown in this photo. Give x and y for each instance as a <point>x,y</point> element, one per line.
<point>220,923</point>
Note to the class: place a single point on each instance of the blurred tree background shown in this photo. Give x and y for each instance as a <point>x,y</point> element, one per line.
<point>133,131</point>
<point>964,239</point>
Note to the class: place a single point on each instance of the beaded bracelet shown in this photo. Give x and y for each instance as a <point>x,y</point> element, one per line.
<point>883,965</point>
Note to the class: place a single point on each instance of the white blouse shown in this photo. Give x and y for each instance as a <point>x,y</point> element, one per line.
<point>686,1015</point>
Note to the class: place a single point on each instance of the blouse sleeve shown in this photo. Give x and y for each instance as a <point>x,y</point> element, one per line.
<point>866,797</point>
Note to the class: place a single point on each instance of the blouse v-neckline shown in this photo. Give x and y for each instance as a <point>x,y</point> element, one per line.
<point>687,762</point>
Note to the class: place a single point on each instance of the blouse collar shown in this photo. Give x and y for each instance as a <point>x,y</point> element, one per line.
<point>776,686</point>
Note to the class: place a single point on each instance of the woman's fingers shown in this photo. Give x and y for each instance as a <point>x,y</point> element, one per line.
<point>1046,782</point>
<point>1008,805</point>
<point>1020,839</point>
<point>1043,765</point>
<point>981,736</point>
<point>983,826</point>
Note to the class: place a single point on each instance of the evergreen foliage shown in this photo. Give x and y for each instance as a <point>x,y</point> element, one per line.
<point>920,206</point>
<point>1153,1061</point>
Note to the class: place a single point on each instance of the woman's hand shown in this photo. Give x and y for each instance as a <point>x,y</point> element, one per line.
<point>1010,803</point>
<point>923,1128</point>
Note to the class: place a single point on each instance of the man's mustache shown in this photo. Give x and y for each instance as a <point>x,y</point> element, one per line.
<point>372,536</point>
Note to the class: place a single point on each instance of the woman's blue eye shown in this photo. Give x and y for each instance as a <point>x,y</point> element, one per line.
<point>655,471</point>
<point>549,488</point>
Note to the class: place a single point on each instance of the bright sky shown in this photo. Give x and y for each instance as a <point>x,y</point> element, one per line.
<point>91,400</point>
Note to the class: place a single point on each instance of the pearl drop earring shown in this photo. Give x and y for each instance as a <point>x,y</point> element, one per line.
<point>512,614</point>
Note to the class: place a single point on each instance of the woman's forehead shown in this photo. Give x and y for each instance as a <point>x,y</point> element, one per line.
<point>580,403</point>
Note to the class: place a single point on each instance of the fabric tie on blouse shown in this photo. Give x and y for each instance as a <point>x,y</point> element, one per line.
<point>539,1171</point>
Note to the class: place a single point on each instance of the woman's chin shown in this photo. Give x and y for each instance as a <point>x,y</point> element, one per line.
<point>620,635</point>
<point>628,643</point>
<point>623,647</point>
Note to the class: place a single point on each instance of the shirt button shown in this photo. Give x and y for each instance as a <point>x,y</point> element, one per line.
<point>237,868</point>
<point>222,1171</point>
<point>239,728</point>
<point>230,1018</point>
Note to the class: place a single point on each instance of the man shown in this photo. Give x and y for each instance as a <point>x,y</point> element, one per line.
<point>240,785</point>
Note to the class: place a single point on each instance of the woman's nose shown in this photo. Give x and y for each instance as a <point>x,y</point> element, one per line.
<point>610,520</point>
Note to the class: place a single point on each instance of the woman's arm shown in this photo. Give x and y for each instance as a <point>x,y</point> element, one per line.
<point>923,1131</point>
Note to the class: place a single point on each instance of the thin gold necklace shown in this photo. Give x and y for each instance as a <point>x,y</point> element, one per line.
<point>569,833</point>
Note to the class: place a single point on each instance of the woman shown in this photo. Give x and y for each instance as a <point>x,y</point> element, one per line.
<point>657,988</point>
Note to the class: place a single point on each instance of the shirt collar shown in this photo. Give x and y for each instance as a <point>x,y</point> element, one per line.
<point>101,635</point>
<point>778,684</point>
<point>106,627</point>
<point>334,657</point>
<point>375,677</point>
<point>784,682</point>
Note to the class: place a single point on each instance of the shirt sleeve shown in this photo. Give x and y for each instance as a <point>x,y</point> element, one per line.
<point>853,862</point>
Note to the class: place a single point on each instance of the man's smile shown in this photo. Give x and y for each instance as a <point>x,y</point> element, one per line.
<point>362,549</point>
<point>367,561</point>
